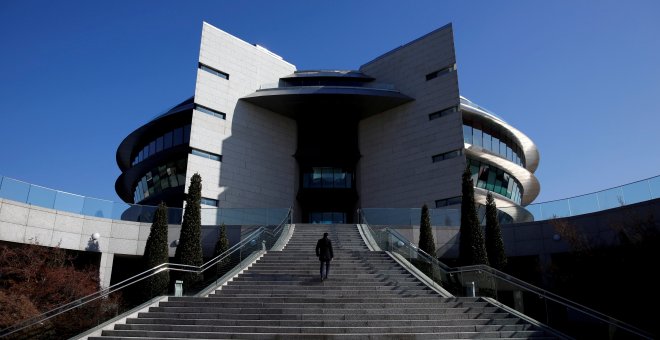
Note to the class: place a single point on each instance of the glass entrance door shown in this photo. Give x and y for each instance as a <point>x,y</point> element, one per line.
<point>327,217</point>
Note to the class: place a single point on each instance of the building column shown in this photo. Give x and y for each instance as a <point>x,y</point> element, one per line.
<point>105,269</point>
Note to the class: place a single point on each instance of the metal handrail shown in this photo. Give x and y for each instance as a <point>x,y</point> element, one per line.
<point>492,272</point>
<point>139,277</point>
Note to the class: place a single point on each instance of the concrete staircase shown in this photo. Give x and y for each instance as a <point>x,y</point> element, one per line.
<point>367,296</point>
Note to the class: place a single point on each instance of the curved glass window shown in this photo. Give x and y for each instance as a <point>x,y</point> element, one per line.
<point>178,136</point>
<point>328,178</point>
<point>493,139</point>
<point>170,175</point>
<point>492,178</point>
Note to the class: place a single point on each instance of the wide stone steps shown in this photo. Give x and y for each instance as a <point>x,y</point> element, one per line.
<point>325,334</point>
<point>344,336</point>
<point>322,323</point>
<point>326,294</point>
<point>293,264</point>
<point>280,289</point>
<point>322,310</point>
<point>383,316</point>
<point>309,305</point>
<point>294,273</point>
<point>336,280</point>
<point>367,296</point>
<point>434,300</point>
<point>358,327</point>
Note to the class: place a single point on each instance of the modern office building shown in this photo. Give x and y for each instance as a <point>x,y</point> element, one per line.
<point>395,133</point>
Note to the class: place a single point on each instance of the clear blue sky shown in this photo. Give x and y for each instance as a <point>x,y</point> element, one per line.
<point>581,78</point>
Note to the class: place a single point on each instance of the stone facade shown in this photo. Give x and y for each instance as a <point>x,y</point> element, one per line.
<point>396,169</point>
<point>257,167</point>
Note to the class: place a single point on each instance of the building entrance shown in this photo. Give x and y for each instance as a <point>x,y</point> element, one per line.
<point>327,155</point>
<point>327,217</point>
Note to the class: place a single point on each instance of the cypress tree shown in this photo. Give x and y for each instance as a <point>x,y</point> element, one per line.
<point>494,242</point>
<point>189,250</point>
<point>426,240</point>
<point>156,253</point>
<point>471,248</point>
<point>220,247</point>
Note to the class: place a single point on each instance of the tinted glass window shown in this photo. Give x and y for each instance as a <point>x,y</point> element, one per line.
<point>186,134</point>
<point>495,146</point>
<point>478,137</point>
<point>493,139</point>
<point>487,141</point>
<point>167,140</point>
<point>327,177</point>
<point>178,136</point>
<point>495,179</point>
<point>483,174</point>
<point>467,134</point>
<point>159,144</point>
<point>158,179</point>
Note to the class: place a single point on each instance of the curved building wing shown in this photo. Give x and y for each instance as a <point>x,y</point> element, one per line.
<point>501,158</point>
<point>530,151</point>
<point>153,159</point>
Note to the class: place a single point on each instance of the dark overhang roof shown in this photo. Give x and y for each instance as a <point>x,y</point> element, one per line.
<point>339,74</point>
<point>294,101</point>
<point>176,115</point>
<point>184,105</point>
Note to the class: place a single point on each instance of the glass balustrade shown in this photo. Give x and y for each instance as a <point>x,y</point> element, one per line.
<point>22,192</point>
<point>15,190</point>
<point>631,193</point>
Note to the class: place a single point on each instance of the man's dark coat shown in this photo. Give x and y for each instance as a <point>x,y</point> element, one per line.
<point>324,249</point>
